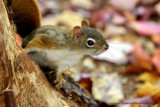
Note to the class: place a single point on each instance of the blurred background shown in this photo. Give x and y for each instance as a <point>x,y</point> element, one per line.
<point>127,74</point>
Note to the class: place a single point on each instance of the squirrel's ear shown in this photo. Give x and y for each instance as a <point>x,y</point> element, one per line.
<point>84,23</point>
<point>76,32</point>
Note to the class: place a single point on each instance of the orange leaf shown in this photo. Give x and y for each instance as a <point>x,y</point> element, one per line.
<point>148,89</point>
<point>151,77</point>
<point>129,16</point>
<point>140,53</point>
<point>144,64</point>
<point>134,105</point>
<point>156,60</point>
<point>86,83</point>
<point>132,69</point>
<point>156,39</point>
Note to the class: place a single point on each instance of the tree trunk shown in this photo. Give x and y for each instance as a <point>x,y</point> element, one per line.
<point>22,83</point>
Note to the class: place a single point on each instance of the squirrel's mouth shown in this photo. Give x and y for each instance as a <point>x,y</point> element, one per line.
<point>97,52</point>
<point>105,46</point>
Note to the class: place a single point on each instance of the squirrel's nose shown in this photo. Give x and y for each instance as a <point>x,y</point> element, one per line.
<point>105,46</point>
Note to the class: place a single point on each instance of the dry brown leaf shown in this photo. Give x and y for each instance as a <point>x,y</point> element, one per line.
<point>141,61</point>
<point>144,65</point>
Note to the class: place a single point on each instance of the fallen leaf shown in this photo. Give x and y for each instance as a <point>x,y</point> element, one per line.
<point>118,19</point>
<point>48,7</point>
<point>129,16</point>
<point>74,19</point>
<point>106,84</point>
<point>134,105</point>
<point>107,88</point>
<point>139,102</point>
<point>149,28</point>
<point>123,4</point>
<point>157,8</point>
<point>101,17</point>
<point>156,39</point>
<point>147,89</point>
<point>86,83</point>
<point>143,12</point>
<point>140,53</point>
<point>87,4</point>
<point>144,65</point>
<point>139,60</point>
<point>120,47</point>
<point>151,77</point>
<point>132,69</point>
<point>156,60</point>
<point>113,30</point>
<point>19,38</point>
<point>146,2</point>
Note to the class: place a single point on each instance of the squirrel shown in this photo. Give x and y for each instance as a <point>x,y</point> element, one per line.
<point>54,47</point>
<point>51,46</point>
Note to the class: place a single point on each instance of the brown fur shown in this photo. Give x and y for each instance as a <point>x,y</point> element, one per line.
<point>40,42</point>
<point>51,46</point>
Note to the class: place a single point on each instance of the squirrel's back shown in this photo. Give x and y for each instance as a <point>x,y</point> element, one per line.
<point>53,32</point>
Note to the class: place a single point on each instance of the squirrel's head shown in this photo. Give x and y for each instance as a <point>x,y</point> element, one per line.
<point>89,39</point>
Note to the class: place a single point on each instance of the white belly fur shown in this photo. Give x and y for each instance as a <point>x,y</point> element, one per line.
<point>63,59</point>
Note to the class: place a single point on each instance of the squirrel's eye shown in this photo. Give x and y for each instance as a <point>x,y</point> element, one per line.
<point>90,42</point>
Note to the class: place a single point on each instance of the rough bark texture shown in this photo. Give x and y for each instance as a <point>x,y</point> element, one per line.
<point>22,83</point>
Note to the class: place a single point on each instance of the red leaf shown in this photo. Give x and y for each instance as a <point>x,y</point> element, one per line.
<point>145,28</point>
<point>101,17</point>
<point>18,37</point>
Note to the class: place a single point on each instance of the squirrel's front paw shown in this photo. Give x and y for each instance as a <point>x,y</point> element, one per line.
<point>60,83</point>
<point>59,80</point>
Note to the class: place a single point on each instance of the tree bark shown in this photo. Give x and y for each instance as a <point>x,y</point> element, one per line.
<point>22,83</point>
